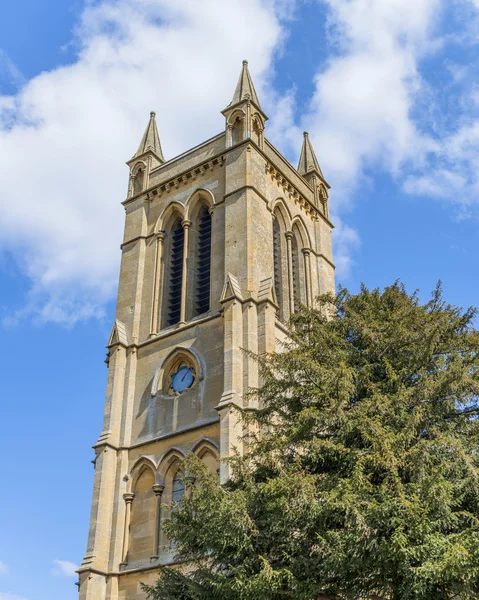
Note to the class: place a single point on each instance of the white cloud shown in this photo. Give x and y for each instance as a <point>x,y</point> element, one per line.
<point>65,136</point>
<point>360,113</point>
<point>8,596</point>
<point>64,568</point>
<point>3,568</point>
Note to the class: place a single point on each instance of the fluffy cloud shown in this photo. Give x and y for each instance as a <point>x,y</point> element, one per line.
<point>361,111</point>
<point>8,596</point>
<point>3,568</point>
<point>64,568</point>
<point>65,136</point>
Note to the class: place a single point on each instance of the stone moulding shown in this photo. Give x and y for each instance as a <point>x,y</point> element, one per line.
<point>183,178</point>
<point>304,204</point>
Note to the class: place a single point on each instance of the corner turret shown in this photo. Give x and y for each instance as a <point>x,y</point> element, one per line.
<point>309,169</point>
<point>148,156</point>
<point>244,116</point>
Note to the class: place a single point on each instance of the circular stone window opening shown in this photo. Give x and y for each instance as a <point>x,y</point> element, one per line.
<point>181,376</point>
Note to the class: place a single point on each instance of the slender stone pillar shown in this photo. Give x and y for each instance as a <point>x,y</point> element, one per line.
<point>158,489</point>
<point>160,237</point>
<point>126,533</point>
<point>307,275</point>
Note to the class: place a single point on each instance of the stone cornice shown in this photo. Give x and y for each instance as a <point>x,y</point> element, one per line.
<point>173,183</point>
<point>304,203</point>
<point>165,436</point>
<point>282,179</point>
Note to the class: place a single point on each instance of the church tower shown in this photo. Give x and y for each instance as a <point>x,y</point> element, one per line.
<point>221,245</point>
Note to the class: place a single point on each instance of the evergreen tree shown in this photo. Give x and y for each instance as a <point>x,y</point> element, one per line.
<point>364,482</point>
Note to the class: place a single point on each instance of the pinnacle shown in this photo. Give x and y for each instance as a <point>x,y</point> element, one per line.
<point>245,88</point>
<point>308,161</point>
<point>151,139</point>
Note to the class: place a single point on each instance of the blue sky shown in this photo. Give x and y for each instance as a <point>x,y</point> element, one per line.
<point>389,94</point>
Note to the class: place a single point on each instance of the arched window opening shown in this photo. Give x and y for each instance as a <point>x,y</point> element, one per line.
<point>256,132</point>
<point>296,274</point>
<point>142,517</point>
<point>238,130</point>
<point>138,186</point>
<point>277,263</point>
<point>203,263</point>
<point>175,273</point>
<point>178,489</point>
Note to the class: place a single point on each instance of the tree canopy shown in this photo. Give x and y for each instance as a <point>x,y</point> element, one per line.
<point>363,481</point>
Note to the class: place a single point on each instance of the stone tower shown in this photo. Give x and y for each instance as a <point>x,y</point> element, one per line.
<point>221,245</point>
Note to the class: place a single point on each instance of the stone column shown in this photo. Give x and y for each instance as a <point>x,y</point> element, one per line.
<point>160,237</point>
<point>158,489</point>
<point>307,275</point>
<point>184,279</point>
<point>126,532</point>
<point>131,186</point>
<point>289,252</point>
<point>229,135</point>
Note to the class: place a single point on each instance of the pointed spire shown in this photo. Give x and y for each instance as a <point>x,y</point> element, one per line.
<point>308,161</point>
<point>245,88</point>
<point>150,142</point>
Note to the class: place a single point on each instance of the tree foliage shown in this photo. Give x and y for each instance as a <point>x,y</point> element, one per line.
<point>364,480</point>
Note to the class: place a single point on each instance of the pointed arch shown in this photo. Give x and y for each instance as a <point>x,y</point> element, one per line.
<point>179,353</point>
<point>173,208</point>
<point>141,463</point>
<point>236,122</point>
<point>208,452</point>
<point>257,129</point>
<point>171,459</point>
<point>199,196</point>
<point>300,248</point>
<point>199,213</point>
<point>143,512</point>
<point>173,268</point>
<point>298,225</point>
<point>137,177</point>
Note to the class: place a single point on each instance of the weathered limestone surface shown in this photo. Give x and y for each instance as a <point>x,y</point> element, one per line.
<point>246,185</point>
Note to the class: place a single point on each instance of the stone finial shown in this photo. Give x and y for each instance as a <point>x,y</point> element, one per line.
<point>308,161</point>
<point>150,142</point>
<point>245,88</point>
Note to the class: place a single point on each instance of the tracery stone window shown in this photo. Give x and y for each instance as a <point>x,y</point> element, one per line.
<point>180,375</point>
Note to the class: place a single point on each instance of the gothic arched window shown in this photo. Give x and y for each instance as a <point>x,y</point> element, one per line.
<point>203,263</point>
<point>238,130</point>
<point>139,177</point>
<point>175,273</point>
<point>178,488</point>
<point>299,293</point>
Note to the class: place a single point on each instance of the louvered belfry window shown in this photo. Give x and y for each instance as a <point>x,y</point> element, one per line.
<point>203,263</point>
<point>176,273</point>
<point>296,274</point>
<point>277,260</point>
